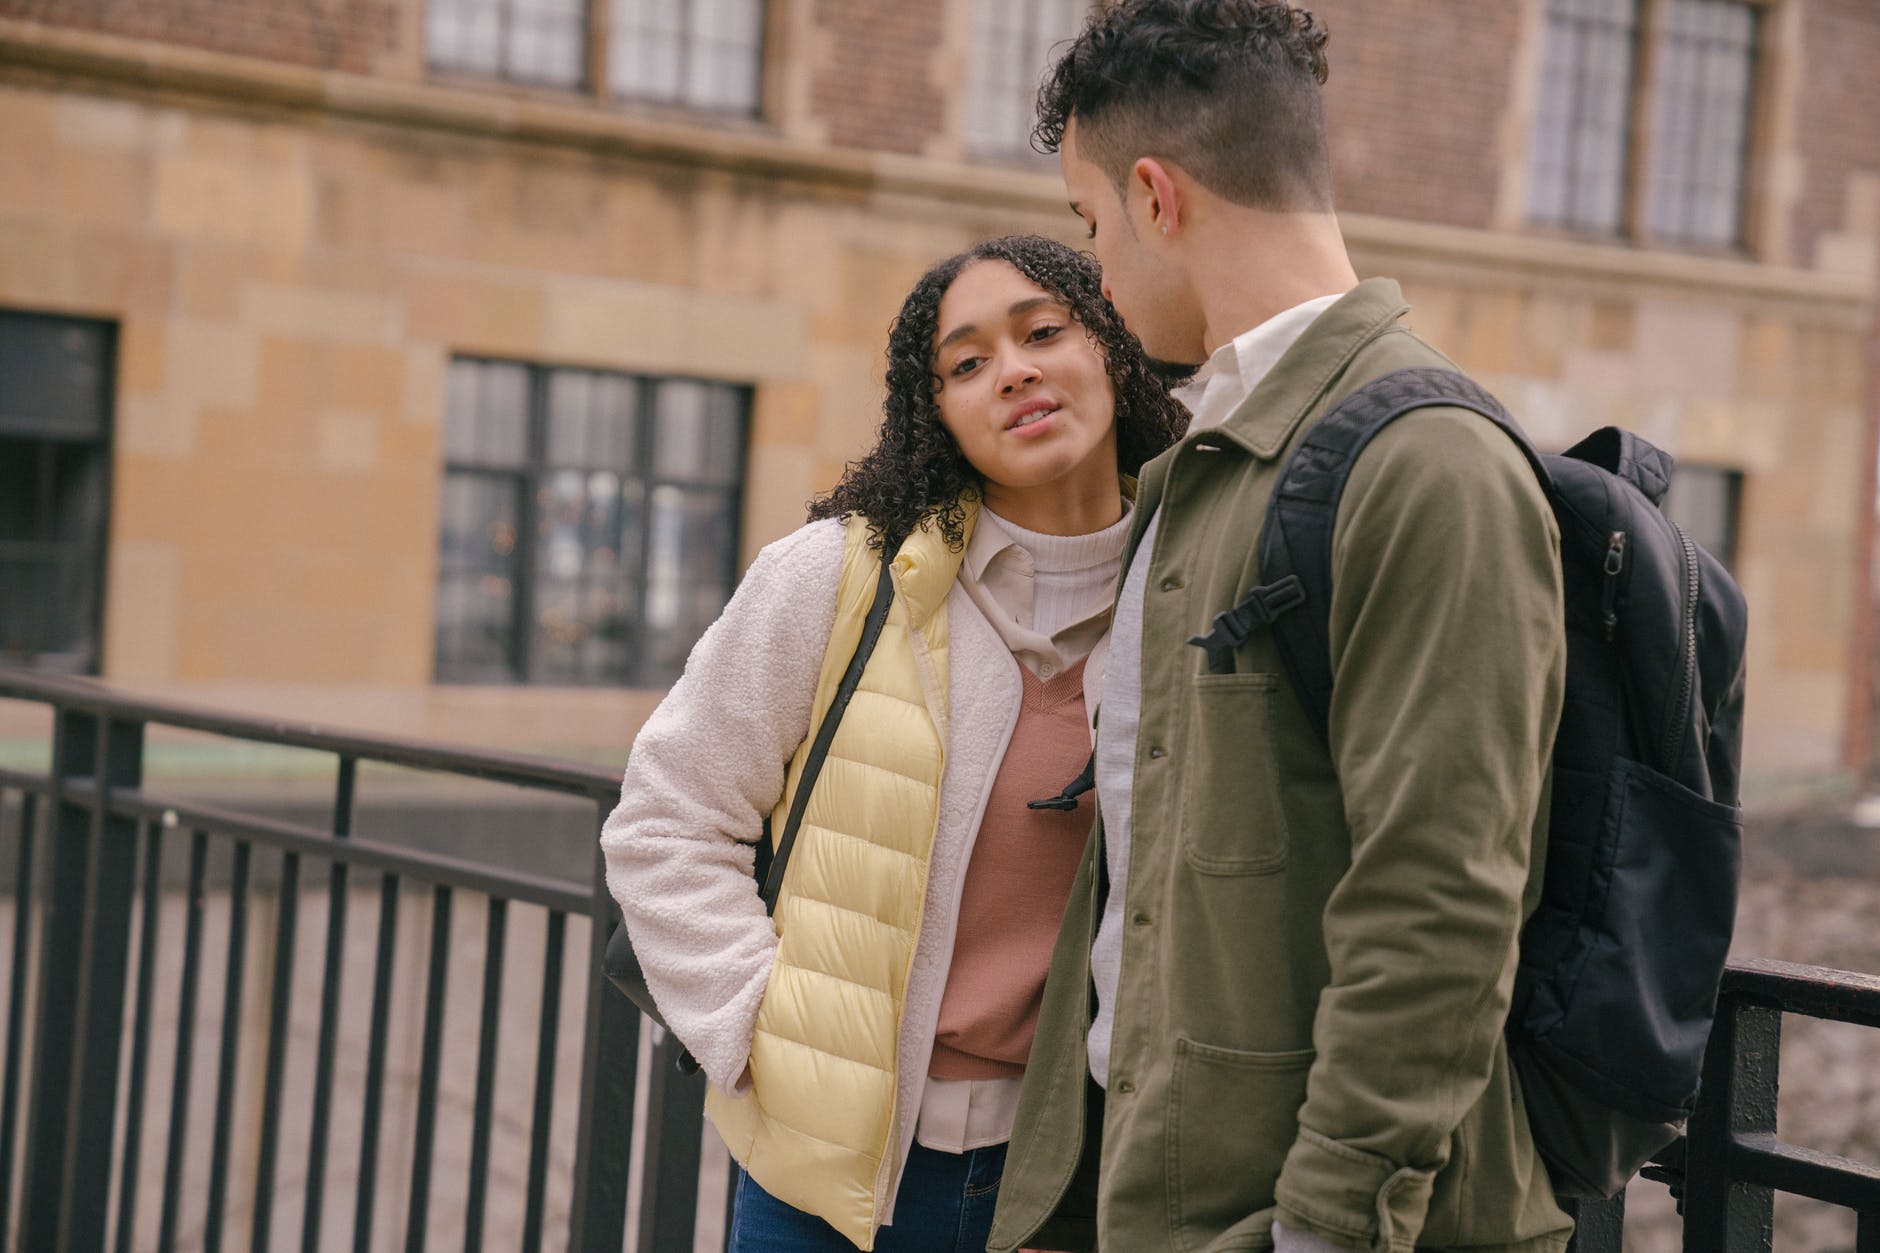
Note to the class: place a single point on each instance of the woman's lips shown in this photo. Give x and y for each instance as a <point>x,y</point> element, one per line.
<point>1031,413</point>
<point>1035,424</point>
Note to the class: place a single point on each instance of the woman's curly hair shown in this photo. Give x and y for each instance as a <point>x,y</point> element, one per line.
<point>915,471</point>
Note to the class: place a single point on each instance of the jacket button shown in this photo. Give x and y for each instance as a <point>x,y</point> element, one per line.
<point>1125,1086</point>
<point>1172,583</point>
<point>1158,752</point>
<point>1141,919</point>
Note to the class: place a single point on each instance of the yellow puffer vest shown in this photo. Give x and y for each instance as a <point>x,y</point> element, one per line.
<point>816,1127</point>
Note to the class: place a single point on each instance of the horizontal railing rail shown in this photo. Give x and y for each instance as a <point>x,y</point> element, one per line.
<point>101,989</point>
<point>89,981</point>
<point>1730,1163</point>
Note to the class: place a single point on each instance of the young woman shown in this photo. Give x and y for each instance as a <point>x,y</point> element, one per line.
<point>865,1046</point>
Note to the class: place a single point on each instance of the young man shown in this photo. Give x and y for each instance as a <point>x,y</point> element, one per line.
<point>1277,1004</point>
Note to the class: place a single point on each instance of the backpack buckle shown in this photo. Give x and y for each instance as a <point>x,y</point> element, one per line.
<point>1258,610</point>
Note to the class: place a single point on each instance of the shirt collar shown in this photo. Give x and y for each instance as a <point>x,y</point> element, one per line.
<point>1235,368</point>
<point>988,541</point>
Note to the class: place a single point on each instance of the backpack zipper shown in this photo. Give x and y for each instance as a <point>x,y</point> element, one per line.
<point>1674,729</point>
<point>1609,590</point>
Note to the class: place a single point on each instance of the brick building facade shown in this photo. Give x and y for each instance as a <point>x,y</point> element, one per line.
<point>310,247</point>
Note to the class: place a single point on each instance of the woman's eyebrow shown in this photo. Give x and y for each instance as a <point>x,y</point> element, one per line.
<point>1018,310</point>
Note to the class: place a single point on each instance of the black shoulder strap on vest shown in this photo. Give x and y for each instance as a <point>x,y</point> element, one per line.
<point>826,734</point>
<point>1296,540</point>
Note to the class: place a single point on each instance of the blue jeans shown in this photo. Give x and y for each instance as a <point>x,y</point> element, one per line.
<point>944,1206</point>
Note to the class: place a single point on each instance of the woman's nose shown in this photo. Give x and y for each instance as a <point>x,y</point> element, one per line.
<point>1017,374</point>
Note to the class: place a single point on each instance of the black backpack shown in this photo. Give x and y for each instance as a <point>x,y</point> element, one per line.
<point>1620,962</point>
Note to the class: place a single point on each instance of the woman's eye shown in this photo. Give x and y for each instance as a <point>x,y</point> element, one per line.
<point>1046,331</point>
<point>965,365</point>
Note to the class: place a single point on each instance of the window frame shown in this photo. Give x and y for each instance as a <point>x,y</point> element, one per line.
<point>1641,139</point>
<point>102,442</point>
<point>526,482</point>
<point>594,85</point>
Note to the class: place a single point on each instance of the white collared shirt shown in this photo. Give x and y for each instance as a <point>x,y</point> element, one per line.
<point>1228,378</point>
<point>1049,598</point>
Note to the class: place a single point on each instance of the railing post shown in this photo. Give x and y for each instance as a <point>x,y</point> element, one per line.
<point>675,1123</point>
<point>80,1013</point>
<point>1738,1096</point>
<point>610,1055</point>
<point>1598,1225</point>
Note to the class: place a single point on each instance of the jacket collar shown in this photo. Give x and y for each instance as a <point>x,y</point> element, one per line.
<point>1265,420</point>
<point>926,565</point>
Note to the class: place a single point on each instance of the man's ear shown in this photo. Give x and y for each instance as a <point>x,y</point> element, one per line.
<point>1156,188</point>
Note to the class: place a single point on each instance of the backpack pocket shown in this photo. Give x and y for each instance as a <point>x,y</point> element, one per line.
<point>1629,1013</point>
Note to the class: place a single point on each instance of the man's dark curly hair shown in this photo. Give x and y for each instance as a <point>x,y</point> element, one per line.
<point>1226,89</point>
<point>915,471</point>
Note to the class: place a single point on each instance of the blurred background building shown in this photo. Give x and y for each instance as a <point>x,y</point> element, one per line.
<point>435,366</point>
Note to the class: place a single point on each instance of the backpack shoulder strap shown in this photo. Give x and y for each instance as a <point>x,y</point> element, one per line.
<point>826,734</point>
<point>1296,539</point>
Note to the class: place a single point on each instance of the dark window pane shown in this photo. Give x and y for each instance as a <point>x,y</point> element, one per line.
<point>1700,111</point>
<point>477,577</point>
<point>591,419</point>
<point>1576,177</point>
<point>688,577</point>
<point>1703,500</point>
<point>54,464</point>
<point>704,54</point>
<point>699,433</point>
<point>487,414</point>
<point>53,376</point>
<point>581,611</point>
<point>529,41</point>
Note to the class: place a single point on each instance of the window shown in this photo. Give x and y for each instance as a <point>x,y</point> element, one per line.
<point>1703,500</point>
<point>55,402</point>
<point>1642,124</point>
<point>700,54</point>
<point>588,524</point>
<point>1011,49</point>
<point>526,41</point>
<point>704,54</point>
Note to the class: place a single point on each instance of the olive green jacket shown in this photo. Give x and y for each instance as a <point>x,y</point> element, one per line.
<point>1319,946</point>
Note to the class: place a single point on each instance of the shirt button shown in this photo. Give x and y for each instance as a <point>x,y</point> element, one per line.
<point>1158,752</point>
<point>1172,583</point>
<point>1046,670</point>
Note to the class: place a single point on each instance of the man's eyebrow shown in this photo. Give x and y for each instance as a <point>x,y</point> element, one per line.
<point>1018,310</point>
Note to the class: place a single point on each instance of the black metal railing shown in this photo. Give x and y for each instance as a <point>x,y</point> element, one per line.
<point>1727,1168</point>
<point>86,948</point>
<point>81,1033</point>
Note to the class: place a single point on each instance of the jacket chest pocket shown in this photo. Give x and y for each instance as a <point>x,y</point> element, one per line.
<point>1231,820</point>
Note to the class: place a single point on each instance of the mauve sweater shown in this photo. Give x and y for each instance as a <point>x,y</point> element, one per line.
<point>1016,885</point>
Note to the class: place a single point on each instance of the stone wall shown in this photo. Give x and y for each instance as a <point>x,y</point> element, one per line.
<point>292,256</point>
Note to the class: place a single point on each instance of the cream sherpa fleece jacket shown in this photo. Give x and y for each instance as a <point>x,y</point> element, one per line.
<point>709,765</point>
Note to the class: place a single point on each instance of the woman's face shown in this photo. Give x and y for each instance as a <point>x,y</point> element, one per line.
<point>1024,390</point>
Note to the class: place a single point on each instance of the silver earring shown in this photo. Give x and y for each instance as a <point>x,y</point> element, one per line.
<point>1165,228</point>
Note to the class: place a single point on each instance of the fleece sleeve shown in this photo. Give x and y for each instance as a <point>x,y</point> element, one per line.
<point>705,770</point>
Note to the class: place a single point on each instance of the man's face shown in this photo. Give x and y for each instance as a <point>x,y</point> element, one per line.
<point>1140,274</point>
